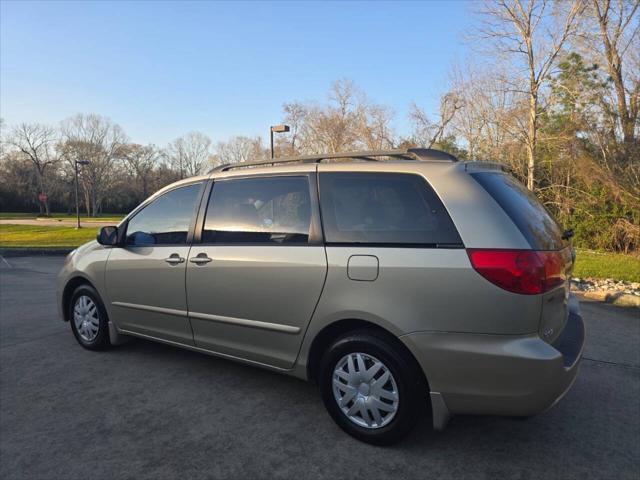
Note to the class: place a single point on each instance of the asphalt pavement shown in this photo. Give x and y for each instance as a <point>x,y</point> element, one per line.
<point>146,410</point>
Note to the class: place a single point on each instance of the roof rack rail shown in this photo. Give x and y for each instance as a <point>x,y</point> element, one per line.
<point>418,154</point>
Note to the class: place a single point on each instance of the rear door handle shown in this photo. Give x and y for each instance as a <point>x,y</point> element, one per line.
<point>174,259</point>
<point>200,259</point>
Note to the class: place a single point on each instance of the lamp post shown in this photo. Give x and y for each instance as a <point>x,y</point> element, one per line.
<point>76,163</point>
<point>277,129</point>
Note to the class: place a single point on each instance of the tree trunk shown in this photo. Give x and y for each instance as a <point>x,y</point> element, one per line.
<point>614,63</point>
<point>626,122</point>
<point>70,207</point>
<point>94,201</point>
<point>87,203</point>
<point>145,187</point>
<point>532,135</point>
<point>43,205</point>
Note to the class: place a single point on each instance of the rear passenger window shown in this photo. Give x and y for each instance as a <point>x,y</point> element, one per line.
<point>270,210</point>
<point>376,208</point>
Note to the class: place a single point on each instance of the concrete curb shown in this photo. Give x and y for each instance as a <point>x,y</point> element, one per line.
<point>27,252</point>
<point>614,298</point>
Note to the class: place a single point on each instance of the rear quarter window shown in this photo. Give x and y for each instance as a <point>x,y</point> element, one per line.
<point>523,208</point>
<point>384,209</point>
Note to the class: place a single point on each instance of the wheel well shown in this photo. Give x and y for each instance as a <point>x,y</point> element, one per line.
<point>331,332</point>
<point>69,288</point>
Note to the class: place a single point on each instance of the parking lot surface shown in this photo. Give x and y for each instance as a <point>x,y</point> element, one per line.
<point>146,410</point>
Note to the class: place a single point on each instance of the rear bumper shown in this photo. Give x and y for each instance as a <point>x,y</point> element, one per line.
<point>498,374</point>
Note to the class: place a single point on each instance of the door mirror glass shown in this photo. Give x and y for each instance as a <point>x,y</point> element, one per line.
<point>108,236</point>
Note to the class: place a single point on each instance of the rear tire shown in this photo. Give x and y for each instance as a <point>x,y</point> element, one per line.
<point>88,318</point>
<point>380,392</point>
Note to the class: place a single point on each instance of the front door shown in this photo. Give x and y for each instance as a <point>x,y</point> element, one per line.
<point>145,278</point>
<point>255,278</point>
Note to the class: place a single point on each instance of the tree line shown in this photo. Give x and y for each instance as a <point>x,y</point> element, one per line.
<point>552,92</point>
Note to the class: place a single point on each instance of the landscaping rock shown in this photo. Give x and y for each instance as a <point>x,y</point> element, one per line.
<point>617,292</point>
<point>605,285</point>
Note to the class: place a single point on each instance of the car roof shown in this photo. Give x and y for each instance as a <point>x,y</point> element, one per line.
<point>410,160</point>
<point>425,154</point>
<point>306,163</point>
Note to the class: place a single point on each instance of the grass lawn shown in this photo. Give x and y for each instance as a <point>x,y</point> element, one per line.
<point>607,265</point>
<point>12,215</point>
<point>22,236</point>
<point>60,216</point>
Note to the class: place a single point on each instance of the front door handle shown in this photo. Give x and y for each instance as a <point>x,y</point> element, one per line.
<point>200,259</point>
<point>174,259</point>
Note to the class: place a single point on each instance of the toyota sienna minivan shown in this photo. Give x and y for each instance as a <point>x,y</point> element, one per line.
<point>398,281</point>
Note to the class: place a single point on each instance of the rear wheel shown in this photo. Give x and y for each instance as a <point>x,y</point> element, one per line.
<point>88,318</point>
<point>371,388</point>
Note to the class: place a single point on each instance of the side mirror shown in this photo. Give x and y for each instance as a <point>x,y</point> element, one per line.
<point>108,236</point>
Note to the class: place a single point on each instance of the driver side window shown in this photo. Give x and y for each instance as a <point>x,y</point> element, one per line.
<point>166,220</point>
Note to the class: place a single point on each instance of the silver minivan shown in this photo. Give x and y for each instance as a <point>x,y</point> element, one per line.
<point>399,281</point>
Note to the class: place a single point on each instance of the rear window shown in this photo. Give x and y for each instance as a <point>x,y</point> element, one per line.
<point>376,208</point>
<point>524,209</point>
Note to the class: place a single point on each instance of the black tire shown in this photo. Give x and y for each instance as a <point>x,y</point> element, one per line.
<point>412,389</point>
<point>101,340</point>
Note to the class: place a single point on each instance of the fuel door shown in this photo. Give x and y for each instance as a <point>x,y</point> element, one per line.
<point>363,268</point>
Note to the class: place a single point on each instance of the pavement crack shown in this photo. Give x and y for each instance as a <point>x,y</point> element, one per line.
<point>29,270</point>
<point>31,340</point>
<point>615,364</point>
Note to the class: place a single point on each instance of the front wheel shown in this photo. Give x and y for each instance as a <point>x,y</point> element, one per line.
<point>88,318</point>
<point>371,388</point>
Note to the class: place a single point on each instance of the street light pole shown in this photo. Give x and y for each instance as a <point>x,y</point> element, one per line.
<point>77,204</point>
<point>271,142</point>
<point>276,129</point>
<point>76,163</point>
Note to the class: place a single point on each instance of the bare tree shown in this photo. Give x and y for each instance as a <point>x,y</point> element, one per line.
<point>350,121</point>
<point>373,127</point>
<point>19,186</point>
<point>426,132</point>
<point>295,114</point>
<point>96,139</point>
<point>617,37</point>
<point>528,32</point>
<point>36,143</point>
<point>333,128</point>
<point>491,121</point>
<point>472,124</point>
<point>3,135</point>
<point>190,154</point>
<point>241,149</point>
<point>140,161</point>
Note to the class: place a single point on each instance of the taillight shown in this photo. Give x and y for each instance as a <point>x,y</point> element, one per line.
<point>528,272</point>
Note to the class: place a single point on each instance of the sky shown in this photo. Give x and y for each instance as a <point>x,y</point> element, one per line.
<point>162,69</point>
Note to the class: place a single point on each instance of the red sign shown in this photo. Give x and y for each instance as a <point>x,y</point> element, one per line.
<point>42,197</point>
